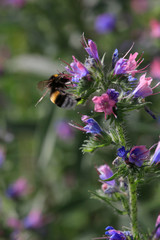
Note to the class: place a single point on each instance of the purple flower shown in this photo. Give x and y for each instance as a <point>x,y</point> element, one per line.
<point>77,70</point>
<point>120,67</point>
<point>105,172</point>
<point>113,94</point>
<point>157,231</point>
<point>105,23</point>
<point>138,154</point>
<point>34,220</point>
<point>92,50</point>
<point>121,152</point>
<point>84,118</point>
<point>91,125</point>
<point>64,130</point>
<point>114,234</point>
<point>2,156</point>
<point>156,156</point>
<point>128,66</point>
<point>143,88</point>
<point>18,188</point>
<point>115,57</point>
<point>132,80</point>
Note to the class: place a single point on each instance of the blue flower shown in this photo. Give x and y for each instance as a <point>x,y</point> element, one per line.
<point>113,94</point>
<point>120,67</point>
<point>138,154</point>
<point>92,50</point>
<point>115,57</point>
<point>114,234</point>
<point>121,152</point>
<point>109,228</point>
<point>92,127</point>
<point>156,156</point>
<point>105,23</point>
<point>132,80</point>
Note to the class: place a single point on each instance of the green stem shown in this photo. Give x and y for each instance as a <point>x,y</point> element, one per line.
<point>132,187</point>
<point>120,133</point>
<point>133,205</point>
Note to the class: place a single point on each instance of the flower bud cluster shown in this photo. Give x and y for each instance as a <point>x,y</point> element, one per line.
<point>114,93</point>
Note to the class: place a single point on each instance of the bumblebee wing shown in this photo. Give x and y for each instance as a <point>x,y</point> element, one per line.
<point>43,84</point>
<point>42,97</point>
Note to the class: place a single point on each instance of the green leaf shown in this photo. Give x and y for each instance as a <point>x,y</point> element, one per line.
<point>117,174</point>
<point>108,201</point>
<point>123,171</point>
<point>94,143</point>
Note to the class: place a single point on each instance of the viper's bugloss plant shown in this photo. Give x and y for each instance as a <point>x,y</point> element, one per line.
<point>111,95</point>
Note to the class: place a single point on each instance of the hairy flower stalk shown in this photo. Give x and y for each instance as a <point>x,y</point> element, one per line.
<point>120,133</point>
<point>132,185</point>
<point>133,205</point>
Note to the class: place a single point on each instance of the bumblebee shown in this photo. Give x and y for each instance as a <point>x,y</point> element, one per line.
<point>57,85</point>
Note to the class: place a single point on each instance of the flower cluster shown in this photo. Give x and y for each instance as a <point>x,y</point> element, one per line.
<point>114,234</point>
<point>136,155</point>
<point>114,91</point>
<point>111,95</point>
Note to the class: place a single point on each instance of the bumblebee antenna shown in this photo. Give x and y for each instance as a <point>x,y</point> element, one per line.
<point>42,97</point>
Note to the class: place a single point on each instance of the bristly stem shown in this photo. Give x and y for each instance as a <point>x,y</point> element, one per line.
<point>133,205</point>
<point>132,187</point>
<point>120,133</point>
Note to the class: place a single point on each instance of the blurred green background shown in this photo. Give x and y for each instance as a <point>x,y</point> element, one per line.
<point>35,36</point>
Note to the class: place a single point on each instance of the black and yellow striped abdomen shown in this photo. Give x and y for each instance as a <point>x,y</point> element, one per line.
<point>62,100</point>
